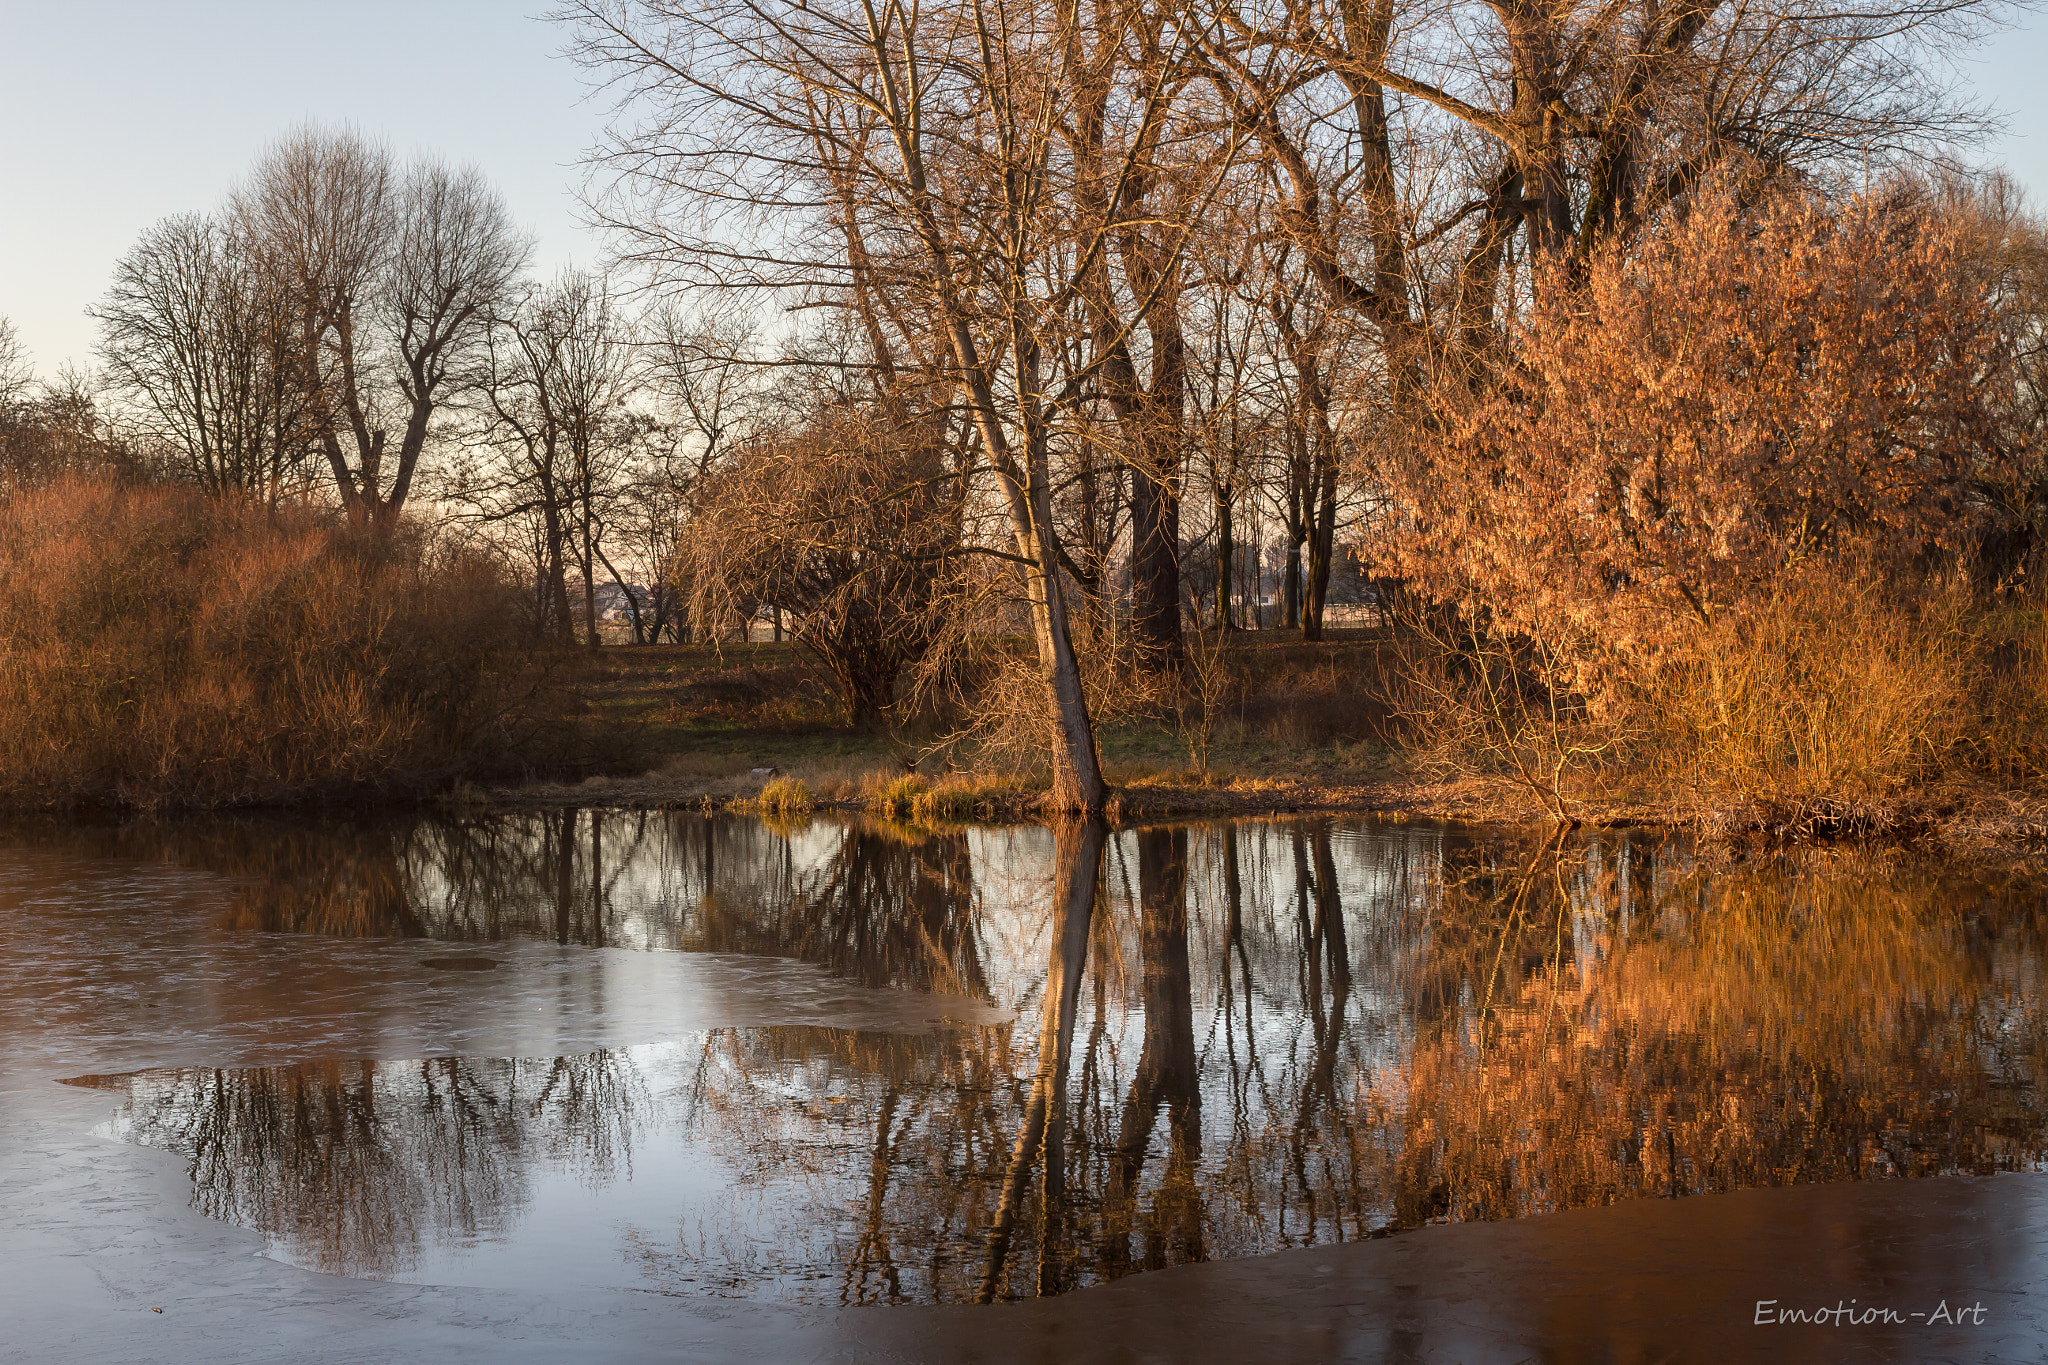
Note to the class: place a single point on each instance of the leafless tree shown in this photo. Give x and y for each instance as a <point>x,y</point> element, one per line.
<point>757,136</point>
<point>558,381</point>
<point>193,332</point>
<point>16,374</point>
<point>1414,147</point>
<point>704,375</point>
<point>391,275</point>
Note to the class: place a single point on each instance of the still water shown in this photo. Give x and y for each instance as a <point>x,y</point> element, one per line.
<point>1032,1061</point>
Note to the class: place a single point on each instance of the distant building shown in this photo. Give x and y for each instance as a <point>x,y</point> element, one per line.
<point>617,601</point>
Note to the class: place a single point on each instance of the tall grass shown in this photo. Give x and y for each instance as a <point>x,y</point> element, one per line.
<point>788,797</point>
<point>957,798</point>
<point>158,647</point>
<point>1832,692</point>
<point>1842,701</point>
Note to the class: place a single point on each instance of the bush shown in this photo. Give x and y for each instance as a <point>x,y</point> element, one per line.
<point>158,647</point>
<point>1844,702</point>
<point>1832,692</point>
<point>1751,390</point>
<point>786,797</point>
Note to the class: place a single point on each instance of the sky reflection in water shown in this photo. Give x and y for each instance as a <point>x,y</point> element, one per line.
<point>1228,1039</point>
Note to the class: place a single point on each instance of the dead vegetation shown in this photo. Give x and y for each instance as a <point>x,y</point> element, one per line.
<point>161,647</point>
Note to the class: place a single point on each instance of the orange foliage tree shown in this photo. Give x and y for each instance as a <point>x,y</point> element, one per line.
<point>1680,421</point>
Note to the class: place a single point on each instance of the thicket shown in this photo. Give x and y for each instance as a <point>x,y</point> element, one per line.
<point>159,646</point>
<point>1748,516</point>
<point>852,527</point>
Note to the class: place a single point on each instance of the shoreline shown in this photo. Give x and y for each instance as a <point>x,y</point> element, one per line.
<point>1976,822</point>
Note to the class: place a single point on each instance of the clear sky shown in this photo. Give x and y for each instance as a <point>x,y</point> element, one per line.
<point>118,113</point>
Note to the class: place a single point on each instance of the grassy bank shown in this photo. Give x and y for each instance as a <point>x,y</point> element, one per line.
<point>698,722</point>
<point>158,648</point>
<point>1917,740</point>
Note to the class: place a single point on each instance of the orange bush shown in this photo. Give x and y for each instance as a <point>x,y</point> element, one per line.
<point>1746,393</point>
<point>160,647</point>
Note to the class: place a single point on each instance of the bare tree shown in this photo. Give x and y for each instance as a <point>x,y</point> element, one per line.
<point>715,396</point>
<point>559,375</point>
<point>16,374</point>
<point>756,133</point>
<point>391,276</point>
<point>196,336</point>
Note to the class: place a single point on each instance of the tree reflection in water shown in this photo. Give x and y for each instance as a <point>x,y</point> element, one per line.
<point>358,1167</point>
<point>1240,1037</point>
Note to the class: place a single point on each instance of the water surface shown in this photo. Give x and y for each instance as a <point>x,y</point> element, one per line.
<point>849,1062</point>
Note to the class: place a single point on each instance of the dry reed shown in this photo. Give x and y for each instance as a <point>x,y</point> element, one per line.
<point>1843,701</point>
<point>158,647</point>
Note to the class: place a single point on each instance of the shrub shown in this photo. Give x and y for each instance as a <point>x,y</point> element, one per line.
<point>1830,692</point>
<point>786,797</point>
<point>158,647</point>
<point>1747,392</point>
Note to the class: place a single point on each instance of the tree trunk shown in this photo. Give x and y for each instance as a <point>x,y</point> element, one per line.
<point>1225,552</point>
<point>640,637</point>
<point>1290,582</point>
<point>1321,547</point>
<point>1077,783</point>
<point>1155,566</point>
<point>563,625</point>
<point>589,594</point>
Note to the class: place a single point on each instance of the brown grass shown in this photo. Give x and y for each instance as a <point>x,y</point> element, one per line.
<point>1841,704</point>
<point>161,648</point>
<point>1832,692</point>
<point>787,797</point>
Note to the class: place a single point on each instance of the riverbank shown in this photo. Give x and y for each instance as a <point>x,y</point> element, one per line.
<point>1981,823</point>
<point>1289,728</point>
<point>750,727</point>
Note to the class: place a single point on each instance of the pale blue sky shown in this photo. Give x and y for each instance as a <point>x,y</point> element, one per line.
<point>116,114</point>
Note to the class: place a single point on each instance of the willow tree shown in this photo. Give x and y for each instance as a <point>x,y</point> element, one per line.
<point>847,527</point>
